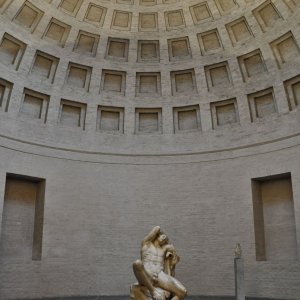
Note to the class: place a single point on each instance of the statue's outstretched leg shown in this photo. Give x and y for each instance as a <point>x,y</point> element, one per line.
<point>172,285</point>
<point>145,280</point>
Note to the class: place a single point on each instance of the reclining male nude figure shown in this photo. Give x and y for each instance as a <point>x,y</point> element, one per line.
<point>157,265</point>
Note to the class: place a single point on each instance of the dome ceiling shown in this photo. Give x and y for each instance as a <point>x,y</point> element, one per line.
<point>186,75</point>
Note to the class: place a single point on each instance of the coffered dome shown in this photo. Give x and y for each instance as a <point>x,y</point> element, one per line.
<point>183,74</point>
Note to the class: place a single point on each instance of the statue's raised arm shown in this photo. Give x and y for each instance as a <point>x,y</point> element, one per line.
<point>156,269</point>
<point>152,235</point>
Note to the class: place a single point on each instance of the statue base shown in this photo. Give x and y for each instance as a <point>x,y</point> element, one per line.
<point>139,292</point>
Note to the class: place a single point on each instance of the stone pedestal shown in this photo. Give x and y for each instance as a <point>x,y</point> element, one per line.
<point>239,279</point>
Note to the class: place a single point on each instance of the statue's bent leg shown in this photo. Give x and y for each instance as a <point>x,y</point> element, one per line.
<point>172,285</point>
<point>142,276</point>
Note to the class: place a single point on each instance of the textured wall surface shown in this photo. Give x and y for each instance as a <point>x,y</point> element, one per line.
<point>143,113</point>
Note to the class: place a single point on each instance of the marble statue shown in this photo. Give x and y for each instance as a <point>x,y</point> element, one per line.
<point>155,270</point>
<point>238,251</point>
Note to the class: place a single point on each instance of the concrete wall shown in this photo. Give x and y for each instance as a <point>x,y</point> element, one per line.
<point>96,214</point>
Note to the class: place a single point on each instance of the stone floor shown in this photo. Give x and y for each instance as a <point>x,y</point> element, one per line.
<point>127,298</point>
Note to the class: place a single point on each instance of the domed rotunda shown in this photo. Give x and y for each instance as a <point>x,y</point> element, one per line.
<point>119,115</point>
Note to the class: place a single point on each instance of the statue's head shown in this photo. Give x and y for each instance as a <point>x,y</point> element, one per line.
<point>162,239</point>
